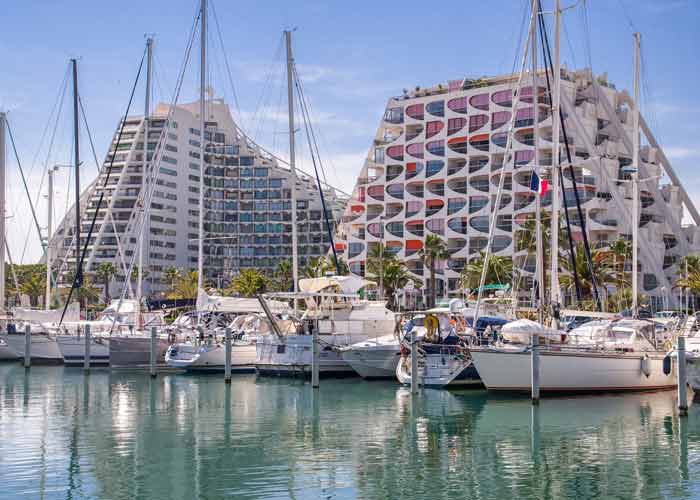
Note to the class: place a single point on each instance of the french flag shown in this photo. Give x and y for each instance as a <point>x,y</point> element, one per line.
<point>540,186</point>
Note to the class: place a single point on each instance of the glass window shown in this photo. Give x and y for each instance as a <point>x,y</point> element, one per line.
<point>454,125</point>
<point>436,108</point>
<point>415,111</point>
<point>459,104</point>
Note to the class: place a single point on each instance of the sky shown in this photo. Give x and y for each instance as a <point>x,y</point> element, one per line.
<point>352,56</point>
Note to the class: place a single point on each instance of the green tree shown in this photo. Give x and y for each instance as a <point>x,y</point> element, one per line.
<point>170,275</point>
<point>249,283</point>
<point>499,271</point>
<point>34,285</point>
<point>434,250</point>
<point>396,277</point>
<point>185,286</point>
<point>105,272</point>
<point>87,294</point>
<point>283,276</point>
<point>378,260</point>
<point>602,270</point>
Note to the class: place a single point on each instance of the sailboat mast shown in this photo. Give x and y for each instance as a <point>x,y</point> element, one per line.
<point>76,152</point>
<point>3,243</point>
<point>556,188</point>
<point>202,110</point>
<point>635,178</point>
<point>292,157</point>
<point>539,265</point>
<point>49,231</point>
<point>144,171</point>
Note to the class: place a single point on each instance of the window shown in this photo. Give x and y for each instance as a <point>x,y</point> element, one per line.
<point>379,155</point>
<point>458,105</point>
<point>436,147</point>
<point>499,118</point>
<point>168,171</point>
<point>415,111</point>
<point>433,128</point>
<point>394,115</point>
<point>168,147</point>
<point>433,167</point>
<point>458,144</point>
<point>436,108</point>
<point>395,152</point>
<point>503,98</point>
<point>415,150</point>
<point>480,101</point>
<point>477,121</point>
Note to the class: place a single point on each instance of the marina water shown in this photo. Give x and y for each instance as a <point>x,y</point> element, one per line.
<point>123,435</point>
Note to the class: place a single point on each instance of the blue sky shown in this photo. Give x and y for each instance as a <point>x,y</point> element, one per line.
<point>352,57</point>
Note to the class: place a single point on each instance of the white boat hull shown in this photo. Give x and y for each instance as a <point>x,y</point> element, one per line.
<point>211,357</point>
<point>6,352</point>
<point>73,349</point>
<point>135,351</point>
<point>291,355</point>
<point>570,371</point>
<point>439,370</point>
<point>372,360</point>
<point>43,349</point>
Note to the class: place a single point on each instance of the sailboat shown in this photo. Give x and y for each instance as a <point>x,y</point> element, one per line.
<point>613,355</point>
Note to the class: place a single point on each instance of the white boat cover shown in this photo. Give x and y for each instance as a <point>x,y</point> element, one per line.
<point>348,284</point>
<point>50,316</point>
<point>239,305</point>
<point>590,332</point>
<point>127,306</point>
<point>521,331</point>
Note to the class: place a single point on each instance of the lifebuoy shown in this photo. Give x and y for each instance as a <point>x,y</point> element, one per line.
<point>431,325</point>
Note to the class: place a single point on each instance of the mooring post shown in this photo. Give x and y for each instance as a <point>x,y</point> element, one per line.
<point>86,361</point>
<point>414,363</point>
<point>227,361</point>
<point>535,366</point>
<point>27,345</point>
<point>153,351</point>
<point>682,395</point>
<point>315,359</point>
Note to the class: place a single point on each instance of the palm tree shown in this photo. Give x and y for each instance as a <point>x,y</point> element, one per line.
<point>171,274</point>
<point>283,276</point>
<point>621,251</point>
<point>396,277</point>
<point>602,270</point>
<point>499,271</point>
<point>249,283</point>
<point>434,250</point>
<point>185,286</point>
<point>34,286</point>
<point>689,279</point>
<point>378,259</point>
<point>87,293</point>
<point>105,272</point>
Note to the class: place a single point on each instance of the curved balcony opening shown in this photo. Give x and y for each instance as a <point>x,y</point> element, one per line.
<point>480,223</point>
<point>505,201</point>
<point>355,249</point>
<point>415,267</point>
<point>523,200</point>
<point>393,209</point>
<point>374,211</point>
<point>585,194</point>
<point>522,158</point>
<point>526,95</point>
<point>357,268</point>
<point>477,244</point>
<point>480,183</point>
<point>670,260</point>
<point>525,137</point>
<point>395,229</point>
<point>458,185</point>
<point>480,142</point>
<point>413,208</point>
<point>458,105</point>
<point>505,222</point>
<point>436,187</point>
<point>500,139</point>
<point>456,265</point>
<point>670,241</point>
<point>507,181</point>
<point>433,128</point>
<point>413,247</point>
<point>393,171</point>
<point>524,218</point>
<point>454,205</point>
<point>436,108</point>
<point>523,179</point>
<point>393,247</point>
<point>376,192</point>
<point>415,227</point>
<point>395,153</point>
<point>477,122</point>
<point>480,101</point>
<point>503,98</point>
<point>433,206</point>
<point>458,144</point>
<point>416,111</point>
<point>454,125</point>
<point>497,161</point>
<point>436,148</point>
<point>413,169</point>
<point>454,165</point>
<point>433,167</point>
<point>395,190</point>
<point>459,225</point>
<point>415,189</point>
<point>375,229</point>
<point>476,163</point>
<point>415,150</point>
<point>413,131</point>
<point>649,282</point>
<point>454,245</point>
<point>476,203</point>
<point>525,117</point>
<point>436,226</point>
<point>501,242</point>
<point>603,218</point>
<point>499,118</point>
<point>646,198</point>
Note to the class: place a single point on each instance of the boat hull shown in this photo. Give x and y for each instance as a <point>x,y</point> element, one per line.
<point>44,350</point>
<point>7,353</point>
<point>438,370</point>
<point>569,372</point>
<point>73,349</point>
<point>211,358</point>
<point>135,351</point>
<point>373,361</point>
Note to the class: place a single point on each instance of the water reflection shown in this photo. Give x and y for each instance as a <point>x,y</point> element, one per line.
<point>124,435</point>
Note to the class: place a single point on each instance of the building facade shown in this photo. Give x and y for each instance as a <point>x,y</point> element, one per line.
<point>247,202</point>
<point>434,168</point>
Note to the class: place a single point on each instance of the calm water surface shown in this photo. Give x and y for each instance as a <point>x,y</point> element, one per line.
<point>124,436</point>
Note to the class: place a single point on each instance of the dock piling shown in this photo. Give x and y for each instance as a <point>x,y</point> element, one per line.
<point>682,394</point>
<point>535,367</point>
<point>315,359</point>
<point>86,360</point>
<point>227,361</point>
<point>27,346</point>
<point>414,363</point>
<point>153,352</point>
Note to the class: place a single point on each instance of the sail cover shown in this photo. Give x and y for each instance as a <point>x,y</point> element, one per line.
<point>522,330</point>
<point>347,284</point>
<point>239,305</point>
<point>50,316</point>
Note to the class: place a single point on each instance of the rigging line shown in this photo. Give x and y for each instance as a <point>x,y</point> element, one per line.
<point>266,82</point>
<point>572,252</point>
<point>78,274</point>
<point>586,246</point>
<point>307,126</point>
<point>226,64</point>
<point>24,182</point>
<point>627,16</point>
<point>12,270</point>
<point>305,104</point>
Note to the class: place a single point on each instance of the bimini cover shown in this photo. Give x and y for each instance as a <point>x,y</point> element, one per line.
<point>239,305</point>
<point>128,306</point>
<point>522,330</point>
<point>591,332</point>
<point>347,284</point>
<point>50,316</point>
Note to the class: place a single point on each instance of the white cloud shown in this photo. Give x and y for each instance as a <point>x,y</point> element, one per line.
<point>682,152</point>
